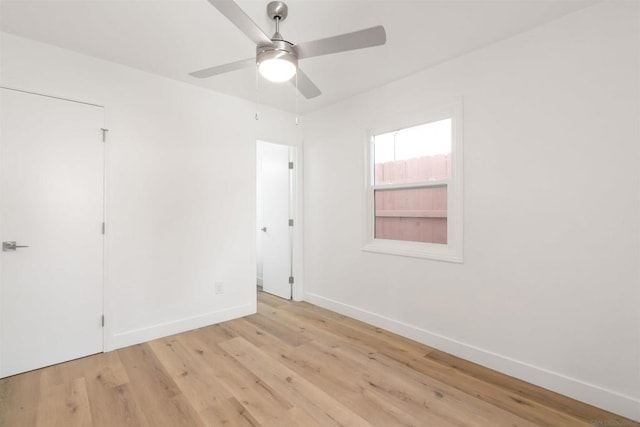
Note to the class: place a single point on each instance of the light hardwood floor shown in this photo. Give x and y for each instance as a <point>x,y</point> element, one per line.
<point>292,364</point>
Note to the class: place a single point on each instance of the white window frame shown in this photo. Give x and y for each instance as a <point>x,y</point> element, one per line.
<point>451,251</point>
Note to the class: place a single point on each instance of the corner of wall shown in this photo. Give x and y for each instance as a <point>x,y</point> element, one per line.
<point>148,333</point>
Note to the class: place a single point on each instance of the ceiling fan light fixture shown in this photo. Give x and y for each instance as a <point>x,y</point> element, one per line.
<point>277,70</point>
<point>277,65</point>
<point>277,59</point>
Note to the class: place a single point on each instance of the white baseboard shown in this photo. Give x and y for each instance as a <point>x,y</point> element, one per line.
<point>592,394</point>
<point>137,336</point>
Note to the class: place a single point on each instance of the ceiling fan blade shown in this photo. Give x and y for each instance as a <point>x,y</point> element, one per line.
<point>232,11</point>
<point>220,69</point>
<point>305,85</point>
<point>374,36</point>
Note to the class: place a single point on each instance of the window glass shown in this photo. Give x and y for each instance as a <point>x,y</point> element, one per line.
<point>415,214</point>
<point>415,154</point>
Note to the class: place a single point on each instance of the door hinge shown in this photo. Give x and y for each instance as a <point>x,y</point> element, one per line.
<point>290,223</point>
<point>103,228</point>
<point>291,280</point>
<point>103,320</point>
<point>104,134</point>
<point>290,165</point>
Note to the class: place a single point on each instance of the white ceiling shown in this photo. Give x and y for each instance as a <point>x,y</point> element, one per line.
<point>173,38</point>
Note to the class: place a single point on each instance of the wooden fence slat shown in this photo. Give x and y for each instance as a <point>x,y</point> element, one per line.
<point>387,169</point>
<point>440,231</point>
<point>439,167</point>
<point>412,171</point>
<point>440,198</point>
<point>412,214</point>
<point>399,175</point>
<point>426,231</point>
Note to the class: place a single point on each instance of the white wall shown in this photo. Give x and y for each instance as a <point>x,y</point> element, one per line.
<point>549,290</point>
<point>180,188</point>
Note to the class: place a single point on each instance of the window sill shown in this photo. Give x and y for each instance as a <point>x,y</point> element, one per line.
<point>436,252</point>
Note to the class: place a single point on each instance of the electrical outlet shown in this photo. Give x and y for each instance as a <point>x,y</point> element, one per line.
<point>219,288</point>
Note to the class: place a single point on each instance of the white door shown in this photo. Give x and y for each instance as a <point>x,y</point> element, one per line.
<point>51,200</point>
<point>274,227</point>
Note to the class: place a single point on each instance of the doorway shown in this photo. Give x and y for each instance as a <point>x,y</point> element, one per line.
<point>275,218</point>
<point>51,228</point>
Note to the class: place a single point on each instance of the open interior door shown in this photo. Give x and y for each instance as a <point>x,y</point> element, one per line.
<point>275,232</point>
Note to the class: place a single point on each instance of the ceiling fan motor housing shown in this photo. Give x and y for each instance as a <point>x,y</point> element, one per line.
<point>279,49</point>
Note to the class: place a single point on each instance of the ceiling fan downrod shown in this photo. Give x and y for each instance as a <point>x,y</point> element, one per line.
<point>277,11</point>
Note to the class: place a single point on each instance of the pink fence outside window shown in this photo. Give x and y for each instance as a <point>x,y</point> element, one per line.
<point>410,193</point>
<point>417,215</point>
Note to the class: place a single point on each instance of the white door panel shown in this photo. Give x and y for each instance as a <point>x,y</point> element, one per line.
<point>276,240</point>
<point>51,200</point>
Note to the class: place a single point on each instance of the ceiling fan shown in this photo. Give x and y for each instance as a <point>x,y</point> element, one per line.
<point>276,58</point>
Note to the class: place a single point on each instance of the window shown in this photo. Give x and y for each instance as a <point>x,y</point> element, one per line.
<point>414,187</point>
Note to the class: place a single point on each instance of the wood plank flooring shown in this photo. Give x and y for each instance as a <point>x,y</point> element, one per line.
<point>292,364</point>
